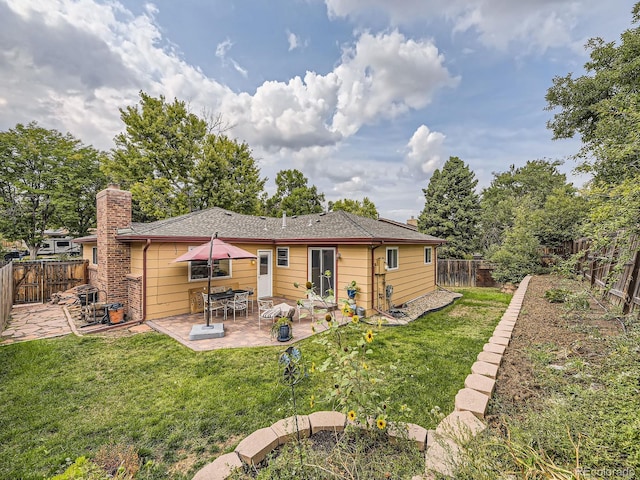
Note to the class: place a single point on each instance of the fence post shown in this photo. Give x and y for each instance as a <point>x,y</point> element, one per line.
<point>631,284</point>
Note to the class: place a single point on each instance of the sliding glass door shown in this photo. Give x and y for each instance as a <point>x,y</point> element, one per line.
<point>320,261</point>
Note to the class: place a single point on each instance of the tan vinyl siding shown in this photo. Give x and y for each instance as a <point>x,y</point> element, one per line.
<point>284,278</point>
<point>167,283</point>
<point>87,252</point>
<point>413,278</point>
<point>354,264</point>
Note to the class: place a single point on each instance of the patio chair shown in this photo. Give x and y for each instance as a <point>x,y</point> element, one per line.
<point>240,302</point>
<point>251,292</point>
<point>265,308</point>
<point>214,306</point>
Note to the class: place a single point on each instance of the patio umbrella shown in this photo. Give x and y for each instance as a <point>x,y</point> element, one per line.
<point>215,249</point>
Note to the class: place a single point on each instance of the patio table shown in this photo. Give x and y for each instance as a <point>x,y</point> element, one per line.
<point>222,296</point>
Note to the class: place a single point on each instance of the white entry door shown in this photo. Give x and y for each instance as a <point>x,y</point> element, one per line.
<point>265,277</point>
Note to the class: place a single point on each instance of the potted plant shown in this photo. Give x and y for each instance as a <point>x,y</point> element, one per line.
<point>352,289</point>
<point>282,329</point>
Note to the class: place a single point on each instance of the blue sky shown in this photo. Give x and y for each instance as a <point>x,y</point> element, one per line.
<point>365,97</point>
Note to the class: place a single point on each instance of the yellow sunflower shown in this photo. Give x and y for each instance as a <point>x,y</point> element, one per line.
<point>369,336</point>
<point>381,423</point>
<point>355,319</point>
<point>351,415</point>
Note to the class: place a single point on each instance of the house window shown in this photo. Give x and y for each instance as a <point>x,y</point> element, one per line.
<point>94,255</point>
<point>428,255</point>
<point>282,256</point>
<point>392,258</point>
<point>199,270</point>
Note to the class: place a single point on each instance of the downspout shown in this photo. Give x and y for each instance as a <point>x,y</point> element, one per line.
<point>373,282</point>
<point>144,280</point>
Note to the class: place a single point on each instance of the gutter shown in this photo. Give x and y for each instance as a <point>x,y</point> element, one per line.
<point>144,280</point>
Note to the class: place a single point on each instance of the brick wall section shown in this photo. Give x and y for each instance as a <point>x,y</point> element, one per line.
<point>114,257</point>
<point>134,311</point>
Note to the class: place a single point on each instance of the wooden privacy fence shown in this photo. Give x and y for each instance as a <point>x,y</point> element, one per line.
<point>615,269</point>
<point>36,281</point>
<point>6,294</point>
<point>465,273</point>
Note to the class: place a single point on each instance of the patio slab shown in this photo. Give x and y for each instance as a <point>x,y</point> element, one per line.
<point>241,333</point>
<point>34,321</point>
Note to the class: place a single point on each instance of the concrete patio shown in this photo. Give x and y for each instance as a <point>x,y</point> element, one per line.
<point>243,332</point>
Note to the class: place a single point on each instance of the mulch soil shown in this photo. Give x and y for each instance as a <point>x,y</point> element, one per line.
<point>551,328</point>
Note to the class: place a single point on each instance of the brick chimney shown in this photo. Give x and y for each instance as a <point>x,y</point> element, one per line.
<point>114,257</point>
<point>412,221</point>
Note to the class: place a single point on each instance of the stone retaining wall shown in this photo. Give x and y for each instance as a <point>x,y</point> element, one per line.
<point>471,402</point>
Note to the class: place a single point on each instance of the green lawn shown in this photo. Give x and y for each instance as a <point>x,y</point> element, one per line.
<point>67,397</point>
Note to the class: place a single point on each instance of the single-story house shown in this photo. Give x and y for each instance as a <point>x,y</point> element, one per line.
<point>133,263</point>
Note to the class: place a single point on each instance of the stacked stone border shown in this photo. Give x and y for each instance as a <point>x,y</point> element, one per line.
<point>255,448</point>
<point>442,445</point>
<point>466,421</point>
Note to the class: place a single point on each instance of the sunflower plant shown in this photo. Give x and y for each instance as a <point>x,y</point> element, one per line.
<point>355,382</point>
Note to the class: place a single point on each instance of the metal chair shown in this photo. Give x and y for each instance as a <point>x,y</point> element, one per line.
<point>240,302</point>
<point>213,305</point>
<point>251,292</point>
<point>265,307</point>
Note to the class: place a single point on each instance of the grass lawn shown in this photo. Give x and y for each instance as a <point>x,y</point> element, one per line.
<point>67,397</point>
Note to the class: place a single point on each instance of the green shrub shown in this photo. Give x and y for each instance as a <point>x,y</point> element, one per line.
<point>557,295</point>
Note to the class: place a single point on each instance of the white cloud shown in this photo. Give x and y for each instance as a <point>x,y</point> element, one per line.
<point>425,152</point>
<point>294,41</point>
<point>222,48</point>
<point>71,65</point>
<point>321,110</point>
<point>384,75</point>
<point>533,24</point>
<point>221,52</point>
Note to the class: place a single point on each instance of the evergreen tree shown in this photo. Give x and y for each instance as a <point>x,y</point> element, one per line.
<point>451,209</point>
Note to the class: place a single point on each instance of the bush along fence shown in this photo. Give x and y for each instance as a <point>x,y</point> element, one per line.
<point>615,269</point>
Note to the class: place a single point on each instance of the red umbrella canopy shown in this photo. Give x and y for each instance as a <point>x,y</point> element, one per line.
<point>220,251</point>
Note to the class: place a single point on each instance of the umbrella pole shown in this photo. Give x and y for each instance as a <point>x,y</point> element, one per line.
<point>210,269</point>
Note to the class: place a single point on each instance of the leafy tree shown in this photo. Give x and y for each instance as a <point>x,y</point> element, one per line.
<point>46,180</point>
<point>366,208</point>
<point>602,107</point>
<point>173,163</point>
<point>519,254</point>
<point>293,195</point>
<point>451,208</point>
<point>75,196</point>
<point>561,218</point>
<point>528,186</point>
<point>228,177</point>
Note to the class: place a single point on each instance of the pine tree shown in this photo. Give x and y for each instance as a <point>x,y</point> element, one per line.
<point>451,209</point>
